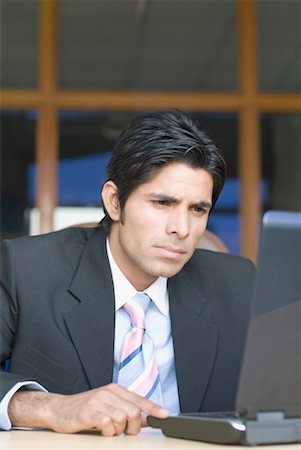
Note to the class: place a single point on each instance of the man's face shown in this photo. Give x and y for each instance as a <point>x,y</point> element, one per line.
<point>163,221</point>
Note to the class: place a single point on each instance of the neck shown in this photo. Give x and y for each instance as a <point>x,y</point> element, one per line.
<point>135,275</point>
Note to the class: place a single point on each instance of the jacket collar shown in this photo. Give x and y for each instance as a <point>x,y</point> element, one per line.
<point>91,322</point>
<point>195,340</point>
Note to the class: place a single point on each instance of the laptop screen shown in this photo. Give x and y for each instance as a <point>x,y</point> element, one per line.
<point>271,371</point>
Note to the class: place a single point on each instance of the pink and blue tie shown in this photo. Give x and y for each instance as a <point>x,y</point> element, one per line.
<point>138,371</point>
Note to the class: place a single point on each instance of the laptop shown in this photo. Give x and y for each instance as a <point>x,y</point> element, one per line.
<point>268,400</point>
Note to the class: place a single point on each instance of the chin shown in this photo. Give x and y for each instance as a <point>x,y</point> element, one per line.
<point>169,271</point>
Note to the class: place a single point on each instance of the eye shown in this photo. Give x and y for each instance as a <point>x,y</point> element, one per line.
<point>161,202</point>
<point>200,210</point>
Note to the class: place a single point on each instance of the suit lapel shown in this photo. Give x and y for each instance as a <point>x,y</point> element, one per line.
<point>91,322</point>
<point>195,341</point>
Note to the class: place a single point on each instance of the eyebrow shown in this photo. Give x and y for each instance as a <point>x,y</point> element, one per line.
<point>171,199</point>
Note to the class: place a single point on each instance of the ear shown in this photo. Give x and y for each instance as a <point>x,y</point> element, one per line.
<point>110,200</point>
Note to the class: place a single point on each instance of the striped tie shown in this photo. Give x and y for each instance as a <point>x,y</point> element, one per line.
<point>138,369</point>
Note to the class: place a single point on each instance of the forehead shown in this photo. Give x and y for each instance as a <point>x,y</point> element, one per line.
<point>175,178</point>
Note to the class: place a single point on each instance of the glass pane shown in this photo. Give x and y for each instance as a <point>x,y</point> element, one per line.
<point>86,141</point>
<point>160,45</point>
<point>279,45</point>
<point>224,219</point>
<point>281,161</point>
<point>17,155</point>
<point>19,43</point>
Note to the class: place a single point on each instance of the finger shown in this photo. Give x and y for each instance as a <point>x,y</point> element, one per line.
<point>118,417</point>
<point>105,425</point>
<point>134,419</point>
<point>144,404</point>
<point>126,418</point>
<point>144,420</point>
<point>153,409</point>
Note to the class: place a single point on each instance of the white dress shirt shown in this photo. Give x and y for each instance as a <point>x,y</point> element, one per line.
<point>157,324</point>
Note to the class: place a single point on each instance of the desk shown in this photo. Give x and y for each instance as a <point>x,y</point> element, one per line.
<point>148,439</point>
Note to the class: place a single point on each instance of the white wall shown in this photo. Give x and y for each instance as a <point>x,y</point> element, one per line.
<point>65,217</point>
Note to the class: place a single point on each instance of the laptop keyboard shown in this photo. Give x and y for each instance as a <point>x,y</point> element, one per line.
<point>214,414</point>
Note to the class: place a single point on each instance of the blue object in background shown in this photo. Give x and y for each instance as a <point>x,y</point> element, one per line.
<point>224,220</point>
<point>79,180</point>
<point>227,227</point>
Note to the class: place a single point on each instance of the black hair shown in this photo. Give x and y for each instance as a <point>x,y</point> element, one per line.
<point>154,139</point>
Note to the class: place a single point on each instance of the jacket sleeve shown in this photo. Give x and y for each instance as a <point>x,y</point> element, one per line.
<point>8,314</point>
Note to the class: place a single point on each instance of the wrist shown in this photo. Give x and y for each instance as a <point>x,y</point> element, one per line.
<point>31,409</point>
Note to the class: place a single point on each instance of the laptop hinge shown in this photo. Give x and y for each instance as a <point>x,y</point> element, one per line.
<point>270,416</point>
<point>272,427</point>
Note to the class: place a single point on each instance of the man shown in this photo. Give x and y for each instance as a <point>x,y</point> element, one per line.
<point>65,319</point>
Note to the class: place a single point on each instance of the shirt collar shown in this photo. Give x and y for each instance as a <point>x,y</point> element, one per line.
<point>124,290</point>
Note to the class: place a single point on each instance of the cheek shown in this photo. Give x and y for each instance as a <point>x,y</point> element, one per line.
<point>134,234</point>
<point>199,229</point>
<point>144,221</point>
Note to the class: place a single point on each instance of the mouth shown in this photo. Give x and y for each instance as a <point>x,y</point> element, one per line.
<point>170,251</point>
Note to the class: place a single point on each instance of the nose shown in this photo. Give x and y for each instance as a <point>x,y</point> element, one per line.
<point>179,224</point>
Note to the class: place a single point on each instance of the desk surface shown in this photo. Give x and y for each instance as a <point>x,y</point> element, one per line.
<point>148,439</point>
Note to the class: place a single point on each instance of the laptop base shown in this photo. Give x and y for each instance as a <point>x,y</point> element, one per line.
<point>268,428</point>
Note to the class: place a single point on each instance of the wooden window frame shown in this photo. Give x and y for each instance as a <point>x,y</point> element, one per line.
<point>248,102</point>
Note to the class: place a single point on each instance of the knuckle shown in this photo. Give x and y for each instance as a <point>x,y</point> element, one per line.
<point>105,420</point>
<point>106,425</point>
<point>119,416</point>
<point>134,412</point>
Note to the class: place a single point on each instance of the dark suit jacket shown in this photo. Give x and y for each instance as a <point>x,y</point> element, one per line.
<point>57,317</point>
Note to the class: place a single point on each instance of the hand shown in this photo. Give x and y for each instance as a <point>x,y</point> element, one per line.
<point>112,409</point>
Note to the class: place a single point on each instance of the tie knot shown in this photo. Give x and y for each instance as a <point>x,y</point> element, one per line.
<point>136,309</point>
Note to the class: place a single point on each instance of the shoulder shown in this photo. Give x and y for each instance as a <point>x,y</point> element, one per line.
<point>44,239</point>
<point>209,262</point>
<point>55,238</point>
<point>50,248</point>
<point>221,274</point>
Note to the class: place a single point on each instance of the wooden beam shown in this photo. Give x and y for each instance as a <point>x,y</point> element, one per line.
<point>48,47</point>
<point>47,145</point>
<point>47,130</point>
<point>193,101</point>
<point>249,176</point>
<point>279,103</point>
<point>20,99</point>
<point>249,133</point>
